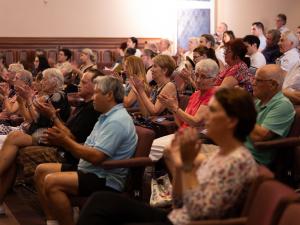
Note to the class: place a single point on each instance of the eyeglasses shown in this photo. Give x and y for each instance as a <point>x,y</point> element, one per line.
<point>257,80</point>
<point>202,76</point>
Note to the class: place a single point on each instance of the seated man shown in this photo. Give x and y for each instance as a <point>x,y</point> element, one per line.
<point>257,59</point>
<point>291,84</point>
<point>112,138</point>
<point>79,126</point>
<point>275,111</point>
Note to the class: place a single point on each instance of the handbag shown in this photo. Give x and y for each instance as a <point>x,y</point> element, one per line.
<point>161,191</point>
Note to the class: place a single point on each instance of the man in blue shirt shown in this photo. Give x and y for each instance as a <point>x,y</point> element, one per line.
<point>113,138</point>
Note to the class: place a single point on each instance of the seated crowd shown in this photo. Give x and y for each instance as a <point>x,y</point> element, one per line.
<point>240,90</point>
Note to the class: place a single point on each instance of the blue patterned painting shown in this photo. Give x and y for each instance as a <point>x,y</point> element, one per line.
<point>191,23</point>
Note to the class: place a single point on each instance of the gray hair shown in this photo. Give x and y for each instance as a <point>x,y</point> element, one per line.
<point>15,67</point>
<point>108,83</point>
<point>291,36</point>
<point>26,77</point>
<point>56,76</point>
<point>209,66</point>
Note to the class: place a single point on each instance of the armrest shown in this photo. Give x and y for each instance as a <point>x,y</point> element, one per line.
<point>233,221</point>
<point>127,163</point>
<point>276,144</point>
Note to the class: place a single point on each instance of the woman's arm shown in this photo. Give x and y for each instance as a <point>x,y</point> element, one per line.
<point>130,99</point>
<point>155,109</point>
<point>229,82</point>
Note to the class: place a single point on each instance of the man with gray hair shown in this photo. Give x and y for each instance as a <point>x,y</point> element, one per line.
<point>275,112</point>
<point>113,138</point>
<point>288,46</point>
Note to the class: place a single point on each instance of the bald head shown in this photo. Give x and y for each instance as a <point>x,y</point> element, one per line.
<point>272,72</point>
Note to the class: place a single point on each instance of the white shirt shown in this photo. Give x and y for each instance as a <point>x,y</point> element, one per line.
<point>283,29</point>
<point>138,52</point>
<point>292,79</point>
<point>288,59</point>
<point>257,60</point>
<point>263,42</point>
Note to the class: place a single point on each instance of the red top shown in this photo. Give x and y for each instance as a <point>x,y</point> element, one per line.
<point>195,101</point>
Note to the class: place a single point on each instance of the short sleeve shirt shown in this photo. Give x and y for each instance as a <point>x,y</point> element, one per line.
<point>114,134</point>
<point>277,116</point>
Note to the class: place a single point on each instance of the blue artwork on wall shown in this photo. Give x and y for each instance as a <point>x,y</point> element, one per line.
<point>192,23</point>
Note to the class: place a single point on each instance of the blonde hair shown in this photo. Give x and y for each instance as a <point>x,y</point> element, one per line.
<point>165,62</point>
<point>15,67</point>
<point>89,52</point>
<point>135,67</point>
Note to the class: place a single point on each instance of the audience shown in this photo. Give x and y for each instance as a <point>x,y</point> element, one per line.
<point>162,69</point>
<point>164,47</point>
<point>212,189</point>
<point>193,115</point>
<point>272,51</point>
<point>288,47</point>
<point>258,30</point>
<point>55,182</point>
<point>236,73</point>
<point>207,40</point>
<point>221,28</point>
<point>257,59</point>
<point>132,42</point>
<point>281,23</point>
<point>275,112</point>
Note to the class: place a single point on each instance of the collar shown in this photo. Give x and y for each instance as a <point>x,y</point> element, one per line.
<point>112,110</point>
<point>277,96</point>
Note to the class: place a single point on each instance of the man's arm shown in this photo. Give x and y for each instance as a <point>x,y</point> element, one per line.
<point>260,133</point>
<point>55,136</point>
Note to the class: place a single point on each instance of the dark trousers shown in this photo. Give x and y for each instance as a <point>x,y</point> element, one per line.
<point>111,208</point>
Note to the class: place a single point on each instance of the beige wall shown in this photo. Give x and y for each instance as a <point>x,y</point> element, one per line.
<point>239,14</point>
<point>123,18</point>
<point>87,18</point>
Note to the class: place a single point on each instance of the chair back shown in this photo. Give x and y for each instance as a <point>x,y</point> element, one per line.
<point>268,197</point>
<point>295,128</point>
<point>145,139</point>
<point>291,215</point>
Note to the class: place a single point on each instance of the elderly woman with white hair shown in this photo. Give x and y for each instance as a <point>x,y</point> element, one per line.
<point>193,115</point>
<point>52,91</point>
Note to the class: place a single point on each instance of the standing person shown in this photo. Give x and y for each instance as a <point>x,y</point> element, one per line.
<point>214,189</point>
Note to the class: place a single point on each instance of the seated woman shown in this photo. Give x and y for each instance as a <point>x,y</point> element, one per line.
<point>196,110</point>
<point>236,73</point>
<point>88,60</point>
<point>162,69</point>
<point>199,54</point>
<point>211,189</point>
<point>134,68</point>
<point>227,36</point>
<point>52,91</point>
<point>132,42</point>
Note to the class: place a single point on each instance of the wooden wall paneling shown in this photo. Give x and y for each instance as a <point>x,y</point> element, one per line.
<point>25,48</point>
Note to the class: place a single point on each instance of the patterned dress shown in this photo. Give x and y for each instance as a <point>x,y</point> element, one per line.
<point>240,72</point>
<point>223,184</point>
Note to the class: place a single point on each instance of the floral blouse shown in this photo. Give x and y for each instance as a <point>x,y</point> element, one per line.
<point>240,72</point>
<point>223,185</point>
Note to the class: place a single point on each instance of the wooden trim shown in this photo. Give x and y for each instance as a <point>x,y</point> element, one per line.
<point>23,48</point>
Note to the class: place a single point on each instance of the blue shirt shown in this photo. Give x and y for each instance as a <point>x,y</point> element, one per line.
<point>114,134</point>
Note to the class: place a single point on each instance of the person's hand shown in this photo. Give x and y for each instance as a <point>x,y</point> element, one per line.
<point>190,146</point>
<point>46,109</point>
<point>172,153</point>
<point>170,102</point>
<point>4,89</point>
<point>185,75</point>
<point>54,136</point>
<point>137,84</point>
<point>24,91</point>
